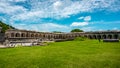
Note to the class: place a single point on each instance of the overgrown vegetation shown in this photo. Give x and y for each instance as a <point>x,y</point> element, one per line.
<point>76,30</point>
<point>68,54</point>
<point>5,27</point>
<point>80,39</point>
<point>57,32</point>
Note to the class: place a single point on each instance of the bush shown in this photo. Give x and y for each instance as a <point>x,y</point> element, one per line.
<point>80,39</point>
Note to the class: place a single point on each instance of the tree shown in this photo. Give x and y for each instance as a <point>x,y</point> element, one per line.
<point>57,32</point>
<point>5,27</point>
<point>76,30</point>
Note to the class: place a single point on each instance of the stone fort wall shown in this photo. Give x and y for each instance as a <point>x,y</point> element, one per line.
<point>15,34</point>
<point>33,36</point>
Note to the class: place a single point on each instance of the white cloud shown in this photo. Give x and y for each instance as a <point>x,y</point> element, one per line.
<point>19,0</point>
<point>115,28</point>
<point>87,18</point>
<point>80,18</point>
<point>86,21</point>
<point>79,24</point>
<point>88,28</point>
<point>57,5</point>
<point>54,9</point>
<point>13,0</point>
<point>7,8</point>
<point>43,27</point>
<point>28,15</point>
<point>58,9</point>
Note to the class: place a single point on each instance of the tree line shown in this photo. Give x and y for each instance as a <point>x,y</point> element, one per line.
<point>5,27</point>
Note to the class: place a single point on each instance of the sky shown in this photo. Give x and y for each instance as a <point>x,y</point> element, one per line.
<point>61,15</point>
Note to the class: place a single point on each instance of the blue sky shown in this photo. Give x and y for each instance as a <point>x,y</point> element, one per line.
<point>61,15</point>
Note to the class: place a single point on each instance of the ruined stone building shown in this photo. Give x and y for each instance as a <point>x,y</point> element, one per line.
<point>14,37</point>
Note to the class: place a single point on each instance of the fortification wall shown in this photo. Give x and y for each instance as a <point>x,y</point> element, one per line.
<point>30,37</point>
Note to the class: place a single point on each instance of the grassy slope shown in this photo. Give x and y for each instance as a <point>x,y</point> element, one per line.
<point>5,27</point>
<point>70,54</point>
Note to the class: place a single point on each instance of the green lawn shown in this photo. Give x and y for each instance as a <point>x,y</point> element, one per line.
<point>69,54</point>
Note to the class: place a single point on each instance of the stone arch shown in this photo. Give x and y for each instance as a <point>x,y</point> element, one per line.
<point>109,36</point>
<point>46,35</point>
<point>23,35</point>
<point>49,36</point>
<point>12,35</point>
<point>60,36</point>
<point>104,36</point>
<point>32,35</point>
<point>43,35</point>
<point>69,36</point>
<point>54,36</point>
<point>57,36</point>
<point>115,36</point>
<point>27,35</point>
<point>89,36</point>
<point>94,36</point>
<point>98,36</point>
<point>36,35</point>
<point>40,35</point>
<point>17,35</point>
<point>63,37</point>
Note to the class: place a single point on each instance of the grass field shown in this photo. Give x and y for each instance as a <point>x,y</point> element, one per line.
<point>69,54</point>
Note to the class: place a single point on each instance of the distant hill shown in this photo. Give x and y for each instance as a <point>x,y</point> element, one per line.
<point>5,27</point>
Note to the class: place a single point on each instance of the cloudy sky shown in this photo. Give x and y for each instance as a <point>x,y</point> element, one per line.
<point>61,15</point>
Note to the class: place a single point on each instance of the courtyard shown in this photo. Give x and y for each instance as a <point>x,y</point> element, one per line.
<point>68,54</point>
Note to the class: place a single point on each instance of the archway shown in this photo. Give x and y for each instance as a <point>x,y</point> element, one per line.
<point>49,36</point>
<point>32,35</point>
<point>43,35</point>
<point>12,34</point>
<point>40,35</point>
<point>17,35</point>
<point>109,36</point>
<point>23,35</point>
<point>115,36</point>
<point>104,36</point>
<point>27,35</point>
<point>61,36</point>
<point>36,35</point>
<point>89,36</point>
<point>98,37</point>
<point>94,36</point>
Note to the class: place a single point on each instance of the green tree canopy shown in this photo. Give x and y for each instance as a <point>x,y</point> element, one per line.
<point>57,32</point>
<point>76,30</point>
<point>5,27</point>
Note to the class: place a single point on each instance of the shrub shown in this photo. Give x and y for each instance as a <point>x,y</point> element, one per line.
<point>80,39</point>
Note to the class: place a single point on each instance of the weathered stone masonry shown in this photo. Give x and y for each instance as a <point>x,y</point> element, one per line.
<point>24,36</point>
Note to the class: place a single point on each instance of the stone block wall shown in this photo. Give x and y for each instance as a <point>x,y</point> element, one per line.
<point>2,37</point>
